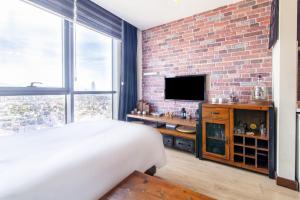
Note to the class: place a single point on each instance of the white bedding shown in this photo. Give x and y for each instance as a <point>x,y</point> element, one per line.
<point>81,161</point>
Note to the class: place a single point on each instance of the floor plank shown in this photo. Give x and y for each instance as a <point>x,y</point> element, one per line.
<point>221,181</point>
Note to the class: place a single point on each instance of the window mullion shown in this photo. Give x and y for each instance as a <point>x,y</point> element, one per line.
<point>69,69</point>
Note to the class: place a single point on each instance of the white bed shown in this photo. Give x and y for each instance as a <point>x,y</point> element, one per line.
<point>80,161</point>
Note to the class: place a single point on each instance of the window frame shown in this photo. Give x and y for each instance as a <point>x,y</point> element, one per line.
<point>112,62</point>
<point>68,65</point>
<point>27,90</point>
<point>72,92</point>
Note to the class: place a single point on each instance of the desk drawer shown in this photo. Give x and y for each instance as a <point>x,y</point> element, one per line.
<point>184,144</point>
<point>168,140</point>
<point>215,113</point>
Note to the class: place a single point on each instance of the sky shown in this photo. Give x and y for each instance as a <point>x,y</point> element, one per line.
<point>31,50</point>
<point>93,60</point>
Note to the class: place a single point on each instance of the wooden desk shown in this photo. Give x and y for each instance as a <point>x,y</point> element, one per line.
<point>163,119</point>
<point>139,186</point>
<point>169,120</point>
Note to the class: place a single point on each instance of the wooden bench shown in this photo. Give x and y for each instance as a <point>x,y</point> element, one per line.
<point>139,186</point>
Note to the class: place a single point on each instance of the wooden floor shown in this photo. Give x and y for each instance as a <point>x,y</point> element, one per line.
<point>221,181</point>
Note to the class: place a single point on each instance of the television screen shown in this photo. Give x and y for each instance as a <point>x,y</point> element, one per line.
<point>185,88</point>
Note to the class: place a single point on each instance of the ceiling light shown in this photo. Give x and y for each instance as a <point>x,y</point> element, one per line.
<point>177,1</point>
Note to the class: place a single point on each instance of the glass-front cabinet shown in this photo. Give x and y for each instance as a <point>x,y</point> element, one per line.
<point>216,138</point>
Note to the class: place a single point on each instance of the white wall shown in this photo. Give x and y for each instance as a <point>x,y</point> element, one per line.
<point>139,64</point>
<point>285,88</point>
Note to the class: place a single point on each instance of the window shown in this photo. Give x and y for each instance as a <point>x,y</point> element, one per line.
<point>31,40</point>
<point>93,106</point>
<point>93,73</point>
<point>26,113</point>
<point>39,86</point>
<point>93,70</point>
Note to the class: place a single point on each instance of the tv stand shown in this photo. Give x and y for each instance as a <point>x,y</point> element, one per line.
<point>217,138</point>
<point>172,138</point>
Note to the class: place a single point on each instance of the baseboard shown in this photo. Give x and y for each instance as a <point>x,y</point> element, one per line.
<point>291,184</point>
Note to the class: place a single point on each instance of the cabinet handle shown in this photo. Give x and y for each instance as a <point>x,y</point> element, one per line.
<point>215,113</point>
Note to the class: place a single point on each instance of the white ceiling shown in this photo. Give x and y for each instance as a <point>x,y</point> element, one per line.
<point>145,14</point>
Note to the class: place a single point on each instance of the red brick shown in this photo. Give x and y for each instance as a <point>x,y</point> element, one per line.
<point>229,43</point>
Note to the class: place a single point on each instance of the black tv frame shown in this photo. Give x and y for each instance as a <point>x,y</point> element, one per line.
<point>184,76</point>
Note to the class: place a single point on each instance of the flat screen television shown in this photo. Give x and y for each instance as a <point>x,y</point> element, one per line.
<point>191,88</point>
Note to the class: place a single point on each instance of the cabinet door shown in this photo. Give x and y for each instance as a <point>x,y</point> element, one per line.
<point>215,138</point>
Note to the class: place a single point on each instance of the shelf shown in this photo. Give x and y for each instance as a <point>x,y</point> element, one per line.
<point>238,149</point>
<point>249,142</point>
<point>177,133</point>
<point>238,140</point>
<point>249,151</point>
<point>262,106</point>
<point>256,136</point>
<point>250,161</point>
<point>262,152</point>
<point>239,154</point>
<point>262,144</point>
<point>251,147</point>
<point>240,145</point>
<point>248,156</point>
<point>262,149</point>
<point>215,138</point>
<point>238,158</point>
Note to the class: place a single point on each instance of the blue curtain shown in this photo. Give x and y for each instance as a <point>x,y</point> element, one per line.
<point>128,88</point>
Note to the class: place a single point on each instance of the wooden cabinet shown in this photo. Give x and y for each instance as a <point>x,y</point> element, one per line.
<point>216,138</point>
<point>215,129</point>
<point>231,134</point>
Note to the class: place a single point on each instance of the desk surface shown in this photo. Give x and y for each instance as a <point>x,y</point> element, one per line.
<point>163,119</point>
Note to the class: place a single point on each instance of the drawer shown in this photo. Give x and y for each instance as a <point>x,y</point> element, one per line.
<point>215,113</point>
<point>168,140</point>
<point>184,144</point>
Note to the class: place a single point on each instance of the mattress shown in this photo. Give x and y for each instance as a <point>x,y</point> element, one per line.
<point>80,161</point>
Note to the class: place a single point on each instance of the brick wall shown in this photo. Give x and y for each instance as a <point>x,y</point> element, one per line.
<point>230,44</point>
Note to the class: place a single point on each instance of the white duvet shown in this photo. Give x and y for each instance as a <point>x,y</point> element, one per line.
<point>80,161</point>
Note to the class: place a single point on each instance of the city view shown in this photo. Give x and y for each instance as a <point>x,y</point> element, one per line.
<point>19,114</point>
<point>34,59</point>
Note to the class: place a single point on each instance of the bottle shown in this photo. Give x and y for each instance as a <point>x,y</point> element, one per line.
<point>233,97</point>
<point>259,90</point>
<point>183,113</point>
